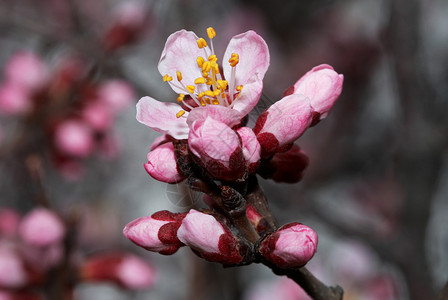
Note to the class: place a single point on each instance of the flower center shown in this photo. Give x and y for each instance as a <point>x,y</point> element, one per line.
<point>211,88</point>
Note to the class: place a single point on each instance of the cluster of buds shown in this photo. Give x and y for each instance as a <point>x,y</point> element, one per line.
<point>33,247</point>
<point>206,142</point>
<point>78,113</point>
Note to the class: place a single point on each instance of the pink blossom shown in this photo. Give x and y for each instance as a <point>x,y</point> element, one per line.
<point>208,238</point>
<point>251,148</point>
<point>14,100</point>
<point>41,227</point>
<point>116,94</point>
<point>74,137</point>
<point>127,270</point>
<point>162,164</point>
<point>157,233</point>
<point>12,271</point>
<point>322,85</point>
<point>291,246</point>
<point>97,115</point>
<point>9,222</point>
<point>189,65</point>
<point>42,258</point>
<point>287,166</point>
<point>26,70</point>
<point>282,123</point>
<point>218,147</point>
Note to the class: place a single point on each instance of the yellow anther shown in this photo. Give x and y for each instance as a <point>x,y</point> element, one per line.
<point>180,114</point>
<point>201,94</point>
<point>190,88</point>
<point>180,98</point>
<point>206,67</point>
<point>199,80</point>
<point>213,58</point>
<point>209,94</point>
<point>179,76</point>
<point>216,92</point>
<point>201,43</point>
<point>209,81</point>
<point>205,74</point>
<point>223,95</point>
<point>239,88</point>
<point>211,32</point>
<point>215,102</point>
<point>202,103</point>
<point>200,61</point>
<point>222,84</point>
<point>234,59</point>
<point>207,100</point>
<point>167,78</point>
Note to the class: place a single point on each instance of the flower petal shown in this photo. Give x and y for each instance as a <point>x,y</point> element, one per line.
<point>180,54</point>
<point>161,117</point>
<point>249,95</point>
<point>253,57</point>
<point>223,114</point>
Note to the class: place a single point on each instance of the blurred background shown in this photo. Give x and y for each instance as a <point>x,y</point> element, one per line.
<point>376,187</point>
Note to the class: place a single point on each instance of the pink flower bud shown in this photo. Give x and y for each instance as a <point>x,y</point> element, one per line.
<point>322,85</point>
<point>291,246</point>
<point>14,100</point>
<point>41,228</point>
<point>12,271</point>
<point>251,148</point>
<point>126,270</point>
<point>286,167</point>
<point>42,259</point>
<point>218,148</point>
<point>9,222</point>
<point>97,115</point>
<point>75,138</point>
<point>208,238</point>
<point>116,94</point>
<point>282,123</point>
<point>162,164</point>
<point>157,233</point>
<point>26,70</point>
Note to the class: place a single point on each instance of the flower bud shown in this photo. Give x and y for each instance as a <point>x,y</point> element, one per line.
<point>162,164</point>
<point>209,239</point>
<point>14,100</point>
<point>126,270</point>
<point>285,167</point>
<point>116,94</point>
<point>282,123</point>
<point>218,148</point>
<point>74,138</point>
<point>41,228</point>
<point>26,70</point>
<point>157,233</point>
<point>251,148</point>
<point>291,246</point>
<point>322,85</point>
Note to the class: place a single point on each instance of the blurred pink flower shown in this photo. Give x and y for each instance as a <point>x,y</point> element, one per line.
<point>74,137</point>
<point>9,222</point>
<point>14,99</point>
<point>277,288</point>
<point>116,94</point>
<point>97,115</point>
<point>291,246</point>
<point>41,228</point>
<point>12,271</point>
<point>199,80</point>
<point>26,70</point>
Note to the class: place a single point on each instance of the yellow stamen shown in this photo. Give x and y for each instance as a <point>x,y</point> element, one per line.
<point>213,58</point>
<point>205,74</point>
<point>215,102</point>
<point>209,81</point>
<point>201,43</point>
<point>234,59</point>
<point>199,80</point>
<point>206,67</point>
<point>200,61</point>
<point>207,101</point>
<point>223,95</point>
<point>211,32</point>
<point>180,114</point>
<point>190,88</point>
<point>202,103</point>
<point>222,84</point>
<point>201,94</point>
<point>180,98</point>
<point>209,94</point>
<point>216,92</point>
<point>239,88</point>
<point>179,76</point>
<point>167,78</point>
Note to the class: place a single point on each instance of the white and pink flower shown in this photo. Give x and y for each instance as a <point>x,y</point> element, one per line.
<point>190,66</point>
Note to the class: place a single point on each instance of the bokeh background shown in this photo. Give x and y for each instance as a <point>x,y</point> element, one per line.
<point>377,184</point>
